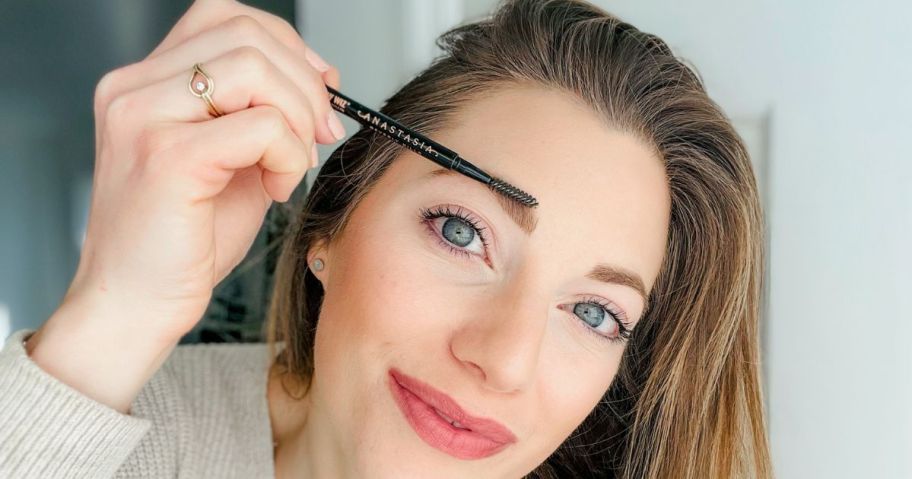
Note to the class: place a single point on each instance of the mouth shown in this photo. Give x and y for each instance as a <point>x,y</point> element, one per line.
<point>443,424</point>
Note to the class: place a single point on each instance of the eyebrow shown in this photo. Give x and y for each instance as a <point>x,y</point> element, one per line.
<point>526,219</point>
<point>612,274</point>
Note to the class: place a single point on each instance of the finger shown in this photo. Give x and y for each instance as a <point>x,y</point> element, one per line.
<point>231,34</point>
<point>243,78</point>
<point>331,78</point>
<point>206,155</point>
<point>205,14</point>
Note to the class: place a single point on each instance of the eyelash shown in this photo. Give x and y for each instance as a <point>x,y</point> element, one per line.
<point>426,216</point>
<point>618,316</point>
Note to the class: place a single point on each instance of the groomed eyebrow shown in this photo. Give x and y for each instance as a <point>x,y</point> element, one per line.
<point>524,217</point>
<point>527,219</point>
<point>612,274</point>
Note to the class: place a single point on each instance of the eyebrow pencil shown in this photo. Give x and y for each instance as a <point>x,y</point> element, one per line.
<point>424,146</point>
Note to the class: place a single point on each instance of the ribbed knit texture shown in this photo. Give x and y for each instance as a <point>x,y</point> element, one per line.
<point>203,414</point>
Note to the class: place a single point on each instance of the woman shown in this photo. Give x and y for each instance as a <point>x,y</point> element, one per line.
<point>418,327</point>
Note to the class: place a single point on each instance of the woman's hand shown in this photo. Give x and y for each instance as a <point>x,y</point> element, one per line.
<point>179,196</point>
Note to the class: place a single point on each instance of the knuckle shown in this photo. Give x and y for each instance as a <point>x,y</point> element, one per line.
<point>105,89</point>
<point>245,25</point>
<point>254,60</point>
<point>246,30</point>
<point>316,82</point>
<point>117,110</point>
<point>284,26</point>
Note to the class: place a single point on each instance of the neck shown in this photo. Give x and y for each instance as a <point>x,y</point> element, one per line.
<point>304,445</point>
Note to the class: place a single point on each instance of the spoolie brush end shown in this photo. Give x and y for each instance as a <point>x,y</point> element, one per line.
<point>512,192</point>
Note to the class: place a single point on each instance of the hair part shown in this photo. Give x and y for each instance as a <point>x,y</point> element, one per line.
<point>687,399</point>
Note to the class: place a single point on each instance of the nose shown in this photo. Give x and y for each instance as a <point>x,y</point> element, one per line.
<point>501,344</point>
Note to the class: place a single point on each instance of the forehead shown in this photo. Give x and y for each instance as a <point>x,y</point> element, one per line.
<point>603,195</point>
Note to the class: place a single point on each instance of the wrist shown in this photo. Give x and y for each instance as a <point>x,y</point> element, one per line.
<point>105,357</point>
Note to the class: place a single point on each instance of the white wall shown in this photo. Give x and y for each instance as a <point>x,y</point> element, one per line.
<point>826,84</point>
<point>835,79</point>
<point>842,226</point>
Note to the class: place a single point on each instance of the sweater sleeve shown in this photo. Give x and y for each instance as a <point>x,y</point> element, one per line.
<point>50,430</point>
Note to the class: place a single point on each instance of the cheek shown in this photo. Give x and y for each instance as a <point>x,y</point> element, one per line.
<point>384,299</point>
<point>571,388</point>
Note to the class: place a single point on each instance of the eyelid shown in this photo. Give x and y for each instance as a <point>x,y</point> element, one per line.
<point>481,227</point>
<point>625,329</point>
<point>463,213</point>
<point>610,306</point>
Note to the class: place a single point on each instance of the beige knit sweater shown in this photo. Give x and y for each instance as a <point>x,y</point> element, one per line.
<point>204,414</point>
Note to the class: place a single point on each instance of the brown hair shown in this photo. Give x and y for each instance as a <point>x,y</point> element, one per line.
<point>687,399</point>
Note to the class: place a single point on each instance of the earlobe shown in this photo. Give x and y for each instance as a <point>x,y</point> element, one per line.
<point>316,260</point>
<point>317,264</point>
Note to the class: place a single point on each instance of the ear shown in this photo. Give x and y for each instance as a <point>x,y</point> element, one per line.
<point>320,249</point>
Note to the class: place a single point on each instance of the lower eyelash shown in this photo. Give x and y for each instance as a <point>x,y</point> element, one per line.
<point>623,336</point>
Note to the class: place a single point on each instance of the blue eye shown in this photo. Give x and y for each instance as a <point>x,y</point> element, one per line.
<point>592,314</point>
<point>458,232</point>
<point>596,315</point>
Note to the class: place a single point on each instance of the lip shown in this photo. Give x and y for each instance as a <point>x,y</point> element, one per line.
<point>482,437</point>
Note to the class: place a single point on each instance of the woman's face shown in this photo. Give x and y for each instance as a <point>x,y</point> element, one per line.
<point>513,327</point>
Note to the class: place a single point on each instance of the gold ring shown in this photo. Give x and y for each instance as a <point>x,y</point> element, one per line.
<point>201,86</point>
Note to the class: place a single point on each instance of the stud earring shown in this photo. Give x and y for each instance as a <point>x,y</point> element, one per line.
<point>317,265</point>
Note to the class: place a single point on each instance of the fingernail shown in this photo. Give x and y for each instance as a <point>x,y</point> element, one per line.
<point>314,155</point>
<point>335,125</point>
<point>317,62</point>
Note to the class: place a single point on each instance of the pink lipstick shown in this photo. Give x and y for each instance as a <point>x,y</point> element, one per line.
<point>443,424</point>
